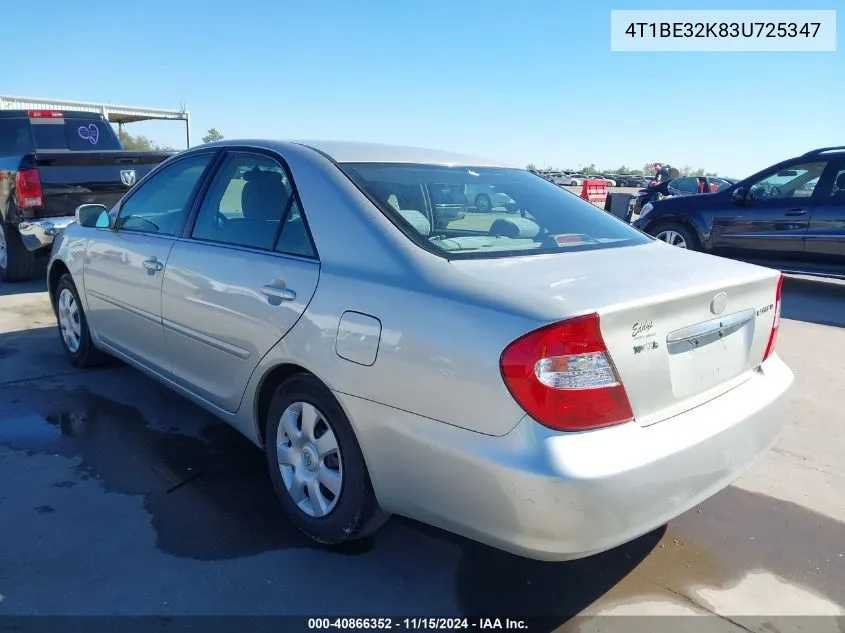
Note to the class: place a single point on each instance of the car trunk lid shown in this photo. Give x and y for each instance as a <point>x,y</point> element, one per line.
<point>681,327</point>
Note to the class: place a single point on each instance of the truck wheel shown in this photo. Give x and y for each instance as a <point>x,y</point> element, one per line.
<point>17,263</point>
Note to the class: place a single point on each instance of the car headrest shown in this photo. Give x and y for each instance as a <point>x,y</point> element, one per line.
<point>840,181</point>
<point>417,220</point>
<point>264,195</point>
<point>514,227</point>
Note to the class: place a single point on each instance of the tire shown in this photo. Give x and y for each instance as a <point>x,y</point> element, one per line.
<point>483,203</point>
<point>672,231</point>
<point>334,518</point>
<point>17,263</point>
<point>83,353</point>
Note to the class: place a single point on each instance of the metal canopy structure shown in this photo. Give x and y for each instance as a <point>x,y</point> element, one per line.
<point>119,114</point>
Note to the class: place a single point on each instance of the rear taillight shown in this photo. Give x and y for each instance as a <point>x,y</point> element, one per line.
<point>773,337</point>
<point>563,376</point>
<point>28,194</point>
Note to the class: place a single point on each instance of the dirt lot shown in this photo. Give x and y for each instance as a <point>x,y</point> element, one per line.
<point>119,497</point>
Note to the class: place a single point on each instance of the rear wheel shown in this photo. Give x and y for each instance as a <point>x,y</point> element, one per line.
<point>316,464</point>
<point>677,235</point>
<point>17,263</point>
<point>483,202</point>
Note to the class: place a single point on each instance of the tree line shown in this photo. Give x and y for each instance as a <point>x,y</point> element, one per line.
<point>143,144</point>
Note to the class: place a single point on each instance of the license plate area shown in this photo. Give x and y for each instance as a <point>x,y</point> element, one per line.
<point>707,354</point>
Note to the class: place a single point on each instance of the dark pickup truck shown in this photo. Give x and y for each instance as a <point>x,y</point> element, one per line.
<point>50,163</point>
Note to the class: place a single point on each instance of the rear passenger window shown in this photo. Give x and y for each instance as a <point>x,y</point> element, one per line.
<point>685,185</point>
<point>249,199</point>
<point>294,238</point>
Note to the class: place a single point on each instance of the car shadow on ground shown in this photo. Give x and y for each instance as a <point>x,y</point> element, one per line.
<point>207,493</point>
<point>814,300</point>
<point>37,284</point>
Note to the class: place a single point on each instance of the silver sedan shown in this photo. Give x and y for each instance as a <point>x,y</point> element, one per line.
<point>548,380</point>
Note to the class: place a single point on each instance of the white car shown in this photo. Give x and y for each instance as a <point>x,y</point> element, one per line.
<point>570,180</point>
<point>609,181</point>
<point>485,197</point>
<point>567,180</point>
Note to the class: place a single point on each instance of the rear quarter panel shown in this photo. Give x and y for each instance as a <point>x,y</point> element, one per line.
<point>438,354</point>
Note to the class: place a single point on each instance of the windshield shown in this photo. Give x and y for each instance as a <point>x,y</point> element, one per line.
<point>477,212</point>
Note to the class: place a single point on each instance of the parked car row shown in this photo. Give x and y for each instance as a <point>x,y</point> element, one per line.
<point>568,178</point>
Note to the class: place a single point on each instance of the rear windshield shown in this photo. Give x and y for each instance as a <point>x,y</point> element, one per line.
<point>478,212</point>
<point>19,136</point>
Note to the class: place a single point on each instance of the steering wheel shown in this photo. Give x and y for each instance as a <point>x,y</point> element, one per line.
<point>775,192</point>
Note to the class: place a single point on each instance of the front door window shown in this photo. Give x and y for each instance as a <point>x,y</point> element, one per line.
<point>797,181</point>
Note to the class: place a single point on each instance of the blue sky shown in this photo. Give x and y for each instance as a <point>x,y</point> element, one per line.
<point>524,80</point>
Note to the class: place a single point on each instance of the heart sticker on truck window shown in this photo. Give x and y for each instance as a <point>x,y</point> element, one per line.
<point>90,133</point>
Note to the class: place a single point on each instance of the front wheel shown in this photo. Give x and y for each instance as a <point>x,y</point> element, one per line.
<point>73,326</point>
<point>316,464</point>
<point>676,235</point>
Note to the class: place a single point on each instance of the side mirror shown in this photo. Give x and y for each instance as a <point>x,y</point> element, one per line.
<point>93,216</point>
<point>738,196</point>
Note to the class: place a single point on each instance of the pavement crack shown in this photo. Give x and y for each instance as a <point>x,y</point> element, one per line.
<point>183,483</point>
<point>693,603</point>
<point>73,372</point>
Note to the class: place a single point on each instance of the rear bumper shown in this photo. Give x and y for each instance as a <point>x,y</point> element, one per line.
<point>555,496</point>
<point>39,234</point>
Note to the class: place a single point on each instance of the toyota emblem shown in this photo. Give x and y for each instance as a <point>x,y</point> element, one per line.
<point>720,301</point>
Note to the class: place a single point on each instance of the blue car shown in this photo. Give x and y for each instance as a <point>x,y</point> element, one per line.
<point>790,216</point>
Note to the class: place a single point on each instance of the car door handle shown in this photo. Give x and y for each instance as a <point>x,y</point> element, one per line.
<point>796,212</point>
<point>153,264</point>
<point>285,294</point>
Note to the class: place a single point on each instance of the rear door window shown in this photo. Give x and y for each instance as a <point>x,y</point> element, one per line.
<point>685,185</point>
<point>251,203</point>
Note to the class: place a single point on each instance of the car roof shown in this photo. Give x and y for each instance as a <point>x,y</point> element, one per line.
<point>362,152</point>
